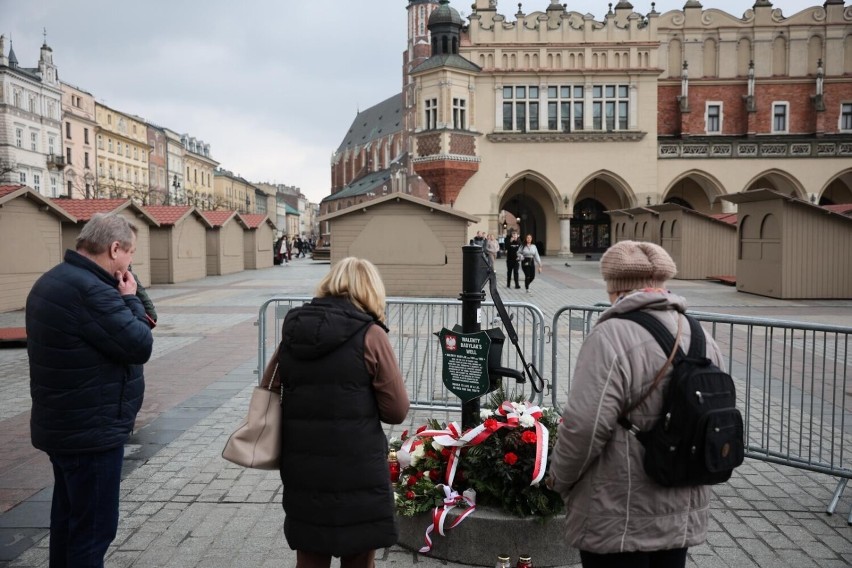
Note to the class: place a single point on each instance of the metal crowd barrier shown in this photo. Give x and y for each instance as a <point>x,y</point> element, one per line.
<point>413,324</point>
<point>793,385</point>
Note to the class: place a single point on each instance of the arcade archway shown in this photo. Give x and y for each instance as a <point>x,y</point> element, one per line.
<point>591,227</point>
<point>525,201</point>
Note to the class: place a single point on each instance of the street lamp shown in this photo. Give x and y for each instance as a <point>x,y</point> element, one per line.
<point>176,185</point>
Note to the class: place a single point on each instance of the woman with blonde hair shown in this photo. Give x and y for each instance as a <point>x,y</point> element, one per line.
<point>340,380</point>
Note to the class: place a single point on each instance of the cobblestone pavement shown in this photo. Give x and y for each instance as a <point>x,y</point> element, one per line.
<point>183,506</point>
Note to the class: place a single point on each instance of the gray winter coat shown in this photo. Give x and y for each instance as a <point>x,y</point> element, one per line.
<point>596,465</point>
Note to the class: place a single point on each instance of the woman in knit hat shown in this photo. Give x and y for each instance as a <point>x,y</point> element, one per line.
<point>616,515</point>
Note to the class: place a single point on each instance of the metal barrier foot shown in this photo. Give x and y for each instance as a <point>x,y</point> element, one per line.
<point>835,499</point>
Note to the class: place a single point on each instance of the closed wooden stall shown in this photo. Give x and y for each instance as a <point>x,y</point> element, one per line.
<point>178,245</point>
<point>415,244</point>
<point>701,245</point>
<point>84,209</point>
<point>258,238</point>
<point>791,249</point>
<point>621,223</point>
<point>225,252</point>
<point>30,242</point>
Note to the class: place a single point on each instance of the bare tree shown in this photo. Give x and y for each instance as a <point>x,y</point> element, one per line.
<point>7,169</point>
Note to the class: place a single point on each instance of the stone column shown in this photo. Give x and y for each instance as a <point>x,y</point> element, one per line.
<point>565,236</point>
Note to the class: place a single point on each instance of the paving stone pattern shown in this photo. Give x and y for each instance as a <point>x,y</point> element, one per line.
<point>182,505</point>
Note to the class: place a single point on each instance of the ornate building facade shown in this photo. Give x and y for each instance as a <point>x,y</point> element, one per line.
<point>78,140</point>
<point>30,121</point>
<point>122,154</point>
<point>549,119</point>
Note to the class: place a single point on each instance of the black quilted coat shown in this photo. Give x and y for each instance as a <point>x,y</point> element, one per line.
<point>337,492</point>
<point>86,346</point>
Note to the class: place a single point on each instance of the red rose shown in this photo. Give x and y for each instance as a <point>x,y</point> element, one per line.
<point>419,475</point>
<point>421,429</point>
<point>412,480</point>
<point>490,424</point>
<point>434,475</point>
<point>446,453</point>
<point>409,495</point>
<point>431,454</point>
<point>529,437</point>
<point>510,458</point>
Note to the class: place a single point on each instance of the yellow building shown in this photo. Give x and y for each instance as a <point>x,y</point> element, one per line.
<point>233,192</point>
<point>122,154</point>
<point>198,180</point>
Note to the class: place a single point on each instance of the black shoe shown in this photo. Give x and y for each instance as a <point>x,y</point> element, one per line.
<point>517,287</point>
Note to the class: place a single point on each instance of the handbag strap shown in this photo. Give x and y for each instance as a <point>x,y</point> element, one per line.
<point>638,317</point>
<point>272,377</point>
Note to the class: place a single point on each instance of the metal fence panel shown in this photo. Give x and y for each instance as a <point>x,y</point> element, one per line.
<point>793,384</point>
<point>413,323</point>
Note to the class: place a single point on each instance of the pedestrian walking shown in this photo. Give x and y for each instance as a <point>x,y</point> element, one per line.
<point>87,339</point>
<point>530,260</point>
<point>617,515</point>
<point>340,380</point>
<point>491,247</point>
<point>512,261</point>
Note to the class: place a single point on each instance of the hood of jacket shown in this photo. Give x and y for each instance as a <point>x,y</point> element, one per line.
<point>647,299</point>
<point>323,325</point>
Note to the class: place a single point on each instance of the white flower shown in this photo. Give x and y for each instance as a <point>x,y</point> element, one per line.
<point>527,421</point>
<point>436,446</point>
<point>519,407</point>
<point>418,453</point>
<point>485,413</point>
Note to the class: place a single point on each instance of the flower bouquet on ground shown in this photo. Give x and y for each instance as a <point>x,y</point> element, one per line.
<point>499,463</point>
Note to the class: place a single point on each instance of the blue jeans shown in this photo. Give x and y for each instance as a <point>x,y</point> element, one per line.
<point>84,513</point>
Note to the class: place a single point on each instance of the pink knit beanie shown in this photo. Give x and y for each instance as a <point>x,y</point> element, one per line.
<point>632,265</point>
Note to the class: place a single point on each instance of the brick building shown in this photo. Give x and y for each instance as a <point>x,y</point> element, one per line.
<point>554,117</point>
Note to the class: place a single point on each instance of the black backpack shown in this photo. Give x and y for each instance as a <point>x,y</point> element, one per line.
<point>698,439</point>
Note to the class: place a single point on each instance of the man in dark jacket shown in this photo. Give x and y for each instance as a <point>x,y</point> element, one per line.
<point>512,261</point>
<point>87,339</point>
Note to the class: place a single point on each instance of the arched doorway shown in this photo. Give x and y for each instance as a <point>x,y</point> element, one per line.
<point>590,228</point>
<point>523,202</point>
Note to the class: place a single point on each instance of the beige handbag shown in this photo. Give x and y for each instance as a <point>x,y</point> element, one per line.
<point>256,443</point>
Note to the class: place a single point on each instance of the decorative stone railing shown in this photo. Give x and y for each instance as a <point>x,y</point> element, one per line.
<point>751,148</point>
<point>577,136</point>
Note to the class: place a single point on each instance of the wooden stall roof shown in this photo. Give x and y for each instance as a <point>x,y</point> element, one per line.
<point>688,211</point>
<point>85,209</point>
<point>221,218</point>
<point>170,215</point>
<point>10,192</point>
<point>255,220</point>
<point>400,197</point>
<point>843,208</point>
<point>730,218</point>
<point>767,194</point>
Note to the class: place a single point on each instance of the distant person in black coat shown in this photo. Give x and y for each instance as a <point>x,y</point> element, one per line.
<point>87,339</point>
<point>512,261</point>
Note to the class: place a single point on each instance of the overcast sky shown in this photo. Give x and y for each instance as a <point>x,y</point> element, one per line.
<point>271,85</point>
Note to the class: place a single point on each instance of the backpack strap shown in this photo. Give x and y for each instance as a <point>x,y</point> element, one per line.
<point>697,344</point>
<point>669,344</point>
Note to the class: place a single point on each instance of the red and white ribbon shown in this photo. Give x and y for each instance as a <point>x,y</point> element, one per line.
<point>439,516</point>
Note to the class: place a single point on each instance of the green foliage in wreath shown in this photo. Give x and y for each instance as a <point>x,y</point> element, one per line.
<point>499,469</point>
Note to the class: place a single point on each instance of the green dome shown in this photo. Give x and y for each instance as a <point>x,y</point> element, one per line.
<point>445,14</point>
